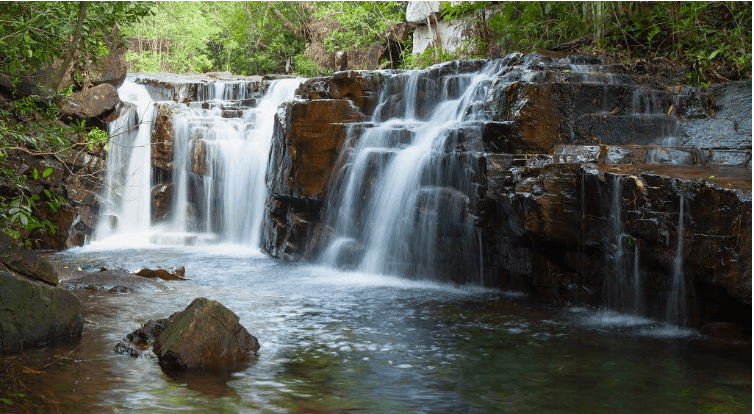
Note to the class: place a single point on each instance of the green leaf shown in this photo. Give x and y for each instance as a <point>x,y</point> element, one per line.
<point>47,172</point>
<point>35,174</point>
<point>14,218</point>
<point>48,194</point>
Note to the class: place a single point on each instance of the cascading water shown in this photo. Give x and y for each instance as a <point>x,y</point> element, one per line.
<point>621,291</point>
<point>125,206</point>
<point>676,310</point>
<point>220,151</point>
<point>404,200</point>
<point>219,168</point>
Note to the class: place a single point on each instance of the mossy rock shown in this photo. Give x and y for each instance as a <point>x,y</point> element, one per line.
<point>205,336</point>
<point>35,314</point>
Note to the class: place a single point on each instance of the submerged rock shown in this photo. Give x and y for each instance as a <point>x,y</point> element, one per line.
<point>205,336</point>
<point>112,281</point>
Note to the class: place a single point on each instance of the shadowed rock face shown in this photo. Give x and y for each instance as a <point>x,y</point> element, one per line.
<point>306,144</point>
<point>204,336</point>
<point>549,227</point>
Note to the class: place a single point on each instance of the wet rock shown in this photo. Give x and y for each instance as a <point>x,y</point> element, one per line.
<point>18,258</point>
<point>199,157</point>
<point>189,88</point>
<point>91,102</point>
<point>162,137</point>
<point>305,144</point>
<point>112,281</point>
<point>724,331</point>
<point>560,215</point>
<point>34,314</point>
<point>163,274</point>
<point>139,342</point>
<point>162,197</point>
<point>205,336</point>
<point>360,87</point>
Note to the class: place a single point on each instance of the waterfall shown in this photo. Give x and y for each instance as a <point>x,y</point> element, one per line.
<point>676,309</point>
<point>405,199</point>
<point>220,150</point>
<point>219,167</point>
<point>125,204</point>
<point>621,291</point>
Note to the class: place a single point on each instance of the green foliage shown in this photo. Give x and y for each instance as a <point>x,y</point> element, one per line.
<point>304,66</point>
<point>29,127</point>
<point>449,11</point>
<point>543,25</point>
<point>264,37</point>
<point>712,38</point>
<point>361,23</point>
<point>18,214</point>
<point>33,34</point>
<point>173,39</point>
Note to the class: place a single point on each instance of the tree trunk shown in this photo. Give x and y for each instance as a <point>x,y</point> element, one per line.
<point>72,48</point>
<point>283,19</point>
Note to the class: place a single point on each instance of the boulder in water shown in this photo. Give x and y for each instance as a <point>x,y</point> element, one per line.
<point>205,336</point>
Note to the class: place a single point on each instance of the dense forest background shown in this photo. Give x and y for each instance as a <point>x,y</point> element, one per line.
<point>48,50</point>
<point>713,39</point>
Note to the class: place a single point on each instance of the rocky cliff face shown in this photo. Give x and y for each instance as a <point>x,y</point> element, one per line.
<point>581,172</point>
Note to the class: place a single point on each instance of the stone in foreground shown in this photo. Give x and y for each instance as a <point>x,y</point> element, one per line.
<point>206,336</point>
<point>35,314</point>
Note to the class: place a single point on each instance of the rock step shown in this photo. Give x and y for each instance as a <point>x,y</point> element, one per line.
<point>650,154</point>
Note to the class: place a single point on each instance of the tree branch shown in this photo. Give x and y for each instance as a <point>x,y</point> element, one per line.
<point>73,47</point>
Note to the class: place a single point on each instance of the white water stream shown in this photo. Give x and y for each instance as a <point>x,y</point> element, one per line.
<point>405,194</point>
<point>219,165</point>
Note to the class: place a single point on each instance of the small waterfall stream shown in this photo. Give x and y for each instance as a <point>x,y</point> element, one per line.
<point>622,288</point>
<point>676,311</point>
<point>125,205</point>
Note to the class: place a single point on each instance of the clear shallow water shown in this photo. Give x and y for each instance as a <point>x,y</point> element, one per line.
<point>349,342</point>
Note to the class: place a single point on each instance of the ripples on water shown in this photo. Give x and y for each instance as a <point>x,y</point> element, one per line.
<point>337,341</point>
